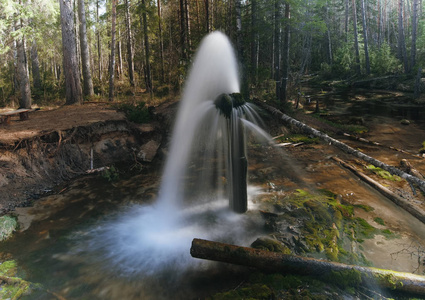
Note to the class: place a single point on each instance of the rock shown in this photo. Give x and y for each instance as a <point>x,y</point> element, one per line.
<point>405,122</point>
<point>148,151</point>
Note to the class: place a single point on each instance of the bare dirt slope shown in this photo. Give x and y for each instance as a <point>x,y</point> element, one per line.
<point>53,119</point>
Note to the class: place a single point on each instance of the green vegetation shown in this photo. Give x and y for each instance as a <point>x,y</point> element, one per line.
<point>343,125</point>
<point>382,173</point>
<point>327,225</point>
<point>7,226</point>
<point>379,221</point>
<point>110,174</point>
<point>12,287</point>
<point>138,113</point>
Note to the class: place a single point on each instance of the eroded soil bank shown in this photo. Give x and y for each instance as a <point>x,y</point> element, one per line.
<point>54,146</point>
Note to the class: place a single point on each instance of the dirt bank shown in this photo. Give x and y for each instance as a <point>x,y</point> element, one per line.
<point>56,145</point>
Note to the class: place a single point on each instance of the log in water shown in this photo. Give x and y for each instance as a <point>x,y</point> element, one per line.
<point>279,262</point>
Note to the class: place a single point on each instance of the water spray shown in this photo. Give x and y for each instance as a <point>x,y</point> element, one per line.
<point>231,106</point>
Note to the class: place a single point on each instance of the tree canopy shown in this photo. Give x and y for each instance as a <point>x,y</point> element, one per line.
<point>153,42</point>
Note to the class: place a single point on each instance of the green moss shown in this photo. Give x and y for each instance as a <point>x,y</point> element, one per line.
<point>8,268</point>
<point>379,221</point>
<point>8,225</point>
<point>255,291</point>
<point>270,245</point>
<point>365,207</point>
<point>345,279</point>
<point>382,173</point>
<point>363,229</point>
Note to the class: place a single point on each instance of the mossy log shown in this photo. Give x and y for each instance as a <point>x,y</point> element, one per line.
<point>284,263</point>
<point>415,211</point>
<point>347,149</point>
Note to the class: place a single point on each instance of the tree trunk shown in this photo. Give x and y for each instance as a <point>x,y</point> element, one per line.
<point>276,47</point>
<point>365,42</point>
<point>414,34</point>
<point>417,89</point>
<point>85,55</point>
<point>183,31</point>
<point>73,91</point>
<point>147,50</point>
<point>254,38</point>
<point>22,74</point>
<point>112,58</point>
<point>285,56</point>
<point>130,56</point>
<point>188,33</point>
<point>161,43</point>
<point>35,67</point>
<point>207,16</point>
<point>346,19</point>
<point>401,39</point>
<point>119,52</point>
<point>99,45</point>
<point>356,40</point>
<point>291,264</point>
<point>379,23</point>
<point>347,149</point>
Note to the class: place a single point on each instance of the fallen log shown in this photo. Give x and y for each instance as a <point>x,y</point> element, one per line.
<point>347,149</point>
<point>363,140</point>
<point>415,211</point>
<point>278,262</point>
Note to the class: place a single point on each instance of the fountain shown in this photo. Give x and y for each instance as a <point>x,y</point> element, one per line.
<point>204,173</point>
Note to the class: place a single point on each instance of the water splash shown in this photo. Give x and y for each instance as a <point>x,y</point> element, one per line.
<point>192,198</point>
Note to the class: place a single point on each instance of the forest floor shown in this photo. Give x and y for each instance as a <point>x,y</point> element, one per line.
<point>310,162</point>
<point>51,119</point>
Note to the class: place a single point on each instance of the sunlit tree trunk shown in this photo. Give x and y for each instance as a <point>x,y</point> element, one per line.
<point>365,42</point>
<point>73,91</point>
<point>85,55</point>
<point>130,55</point>
<point>112,58</point>
<point>356,40</point>
<point>187,19</point>
<point>119,52</point>
<point>22,74</point>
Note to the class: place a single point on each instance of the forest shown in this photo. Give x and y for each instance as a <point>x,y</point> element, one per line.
<point>70,51</point>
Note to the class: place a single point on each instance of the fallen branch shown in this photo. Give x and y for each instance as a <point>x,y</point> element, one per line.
<point>363,140</point>
<point>309,130</point>
<point>278,262</point>
<point>415,211</point>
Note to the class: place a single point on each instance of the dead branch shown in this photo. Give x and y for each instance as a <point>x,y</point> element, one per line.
<point>347,149</point>
<point>415,211</point>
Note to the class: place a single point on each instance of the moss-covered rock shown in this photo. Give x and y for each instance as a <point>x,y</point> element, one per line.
<point>8,225</point>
